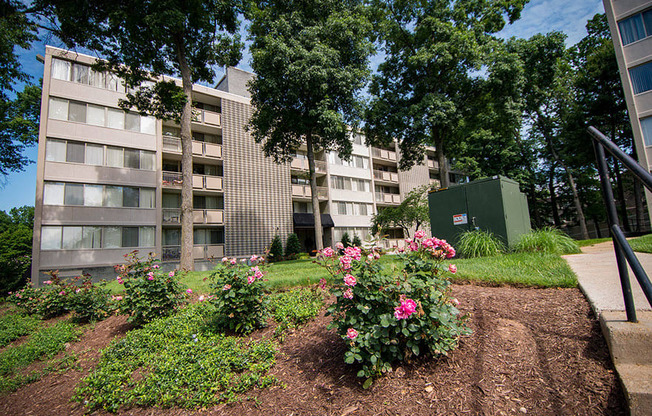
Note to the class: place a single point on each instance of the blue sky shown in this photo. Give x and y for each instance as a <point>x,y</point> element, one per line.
<point>539,16</point>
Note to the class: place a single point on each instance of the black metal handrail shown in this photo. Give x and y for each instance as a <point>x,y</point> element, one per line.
<point>624,252</point>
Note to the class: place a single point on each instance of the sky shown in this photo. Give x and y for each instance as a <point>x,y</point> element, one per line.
<point>538,16</point>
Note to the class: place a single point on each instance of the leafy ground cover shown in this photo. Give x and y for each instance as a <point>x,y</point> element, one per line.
<point>642,244</point>
<point>15,325</point>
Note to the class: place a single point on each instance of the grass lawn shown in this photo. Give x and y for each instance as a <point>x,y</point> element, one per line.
<point>593,241</point>
<point>519,269</point>
<point>642,244</point>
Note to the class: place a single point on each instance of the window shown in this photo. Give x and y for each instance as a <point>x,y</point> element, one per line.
<point>58,109</point>
<point>75,152</point>
<point>146,237</point>
<point>80,73</point>
<point>50,238</point>
<point>148,125</point>
<point>132,122</point>
<point>114,157</point>
<point>77,112</point>
<point>132,159</point>
<point>171,201</point>
<point>55,150</point>
<point>646,127</point>
<point>114,83</point>
<point>60,69</point>
<point>112,237</point>
<point>53,193</point>
<point>74,194</point>
<point>129,236</point>
<point>72,238</point>
<point>91,237</point>
<point>171,237</point>
<point>93,195</point>
<point>130,196</point>
<point>115,118</point>
<point>113,196</point>
<point>341,208</point>
<point>147,198</point>
<point>94,154</point>
<point>641,77</point>
<point>636,27</point>
<point>95,115</point>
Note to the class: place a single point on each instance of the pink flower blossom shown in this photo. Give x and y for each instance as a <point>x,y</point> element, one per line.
<point>201,298</point>
<point>189,291</point>
<point>150,276</point>
<point>47,282</point>
<point>428,242</point>
<point>376,255</point>
<point>251,279</point>
<point>119,279</point>
<point>226,287</point>
<point>156,266</point>
<point>348,293</point>
<point>339,246</point>
<point>233,261</point>
<point>253,258</point>
<point>328,252</point>
<point>345,261</point>
<point>225,259</point>
<point>452,268</point>
<point>370,256</point>
<point>353,252</point>
<point>351,333</point>
<point>117,298</point>
<point>407,308</point>
<point>171,274</point>
<point>322,283</point>
<point>257,273</point>
<point>349,280</point>
<point>414,246</point>
<point>420,234</point>
<point>63,292</point>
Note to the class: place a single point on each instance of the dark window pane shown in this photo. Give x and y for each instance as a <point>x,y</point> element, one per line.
<point>75,152</point>
<point>641,78</point>
<point>74,194</point>
<point>77,112</point>
<point>130,197</point>
<point>647,20</point>
<point>631,29</point>
<point>171,237</point>
<point>132,159</point>
<point>129,236</point>
<point>216,236</point>
<point>197,169</point>
<point>199,202</point>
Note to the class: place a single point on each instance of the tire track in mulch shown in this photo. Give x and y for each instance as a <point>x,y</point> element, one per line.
<point>538,351</point>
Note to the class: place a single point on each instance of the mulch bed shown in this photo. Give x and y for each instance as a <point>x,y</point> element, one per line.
<point>533,351</point>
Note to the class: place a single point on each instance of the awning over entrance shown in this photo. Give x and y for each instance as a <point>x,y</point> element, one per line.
<point>308,220</point>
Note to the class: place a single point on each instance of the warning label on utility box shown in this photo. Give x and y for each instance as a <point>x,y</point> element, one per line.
<point>459,219</point>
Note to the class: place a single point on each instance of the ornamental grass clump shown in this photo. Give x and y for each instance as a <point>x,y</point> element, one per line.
<point>238,294</point>
<point>547,240</point>
<point>385,316</point>
<point>149,292</point>
<point>479,243</point>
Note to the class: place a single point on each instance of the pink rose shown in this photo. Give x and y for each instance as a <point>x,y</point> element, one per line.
<point>339,246</point>
<point>156,266</point>
<point>251,279</point>
<point>452,268</point>
<point>420,234</point>
<point>328,252</point>
<point>351,333</point>
<point>225,260</point>
<point>47,282</point>
<point>171,274</point>
<point>150,276</point>
<point>188,291</point>
<point>405,309</point>
<point>345,262</point>
<point>322,283</point>
<point>233,261</point>
<point>63,292</point>
<point>348,293</point>
<point>226,287</point>
<point>349,280</point>
<point>201,298</point>
<point>253,258</point>
<point>353,252</point>
<point>118,298</point>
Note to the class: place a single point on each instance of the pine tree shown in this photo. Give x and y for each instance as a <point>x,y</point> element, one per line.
<point>276,249</point>
<point>292,246</point>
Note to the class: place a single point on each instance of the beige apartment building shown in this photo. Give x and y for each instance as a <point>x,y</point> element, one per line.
<point>109,181</point>
<point>630,23</point>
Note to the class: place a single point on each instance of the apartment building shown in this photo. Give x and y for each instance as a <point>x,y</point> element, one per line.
<point>108,181</point>
<point>630,23</point>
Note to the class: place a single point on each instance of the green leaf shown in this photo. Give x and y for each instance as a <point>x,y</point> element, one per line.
<point>368,382</point>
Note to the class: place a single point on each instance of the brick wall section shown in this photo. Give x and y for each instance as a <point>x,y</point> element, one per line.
<point>257,192</point>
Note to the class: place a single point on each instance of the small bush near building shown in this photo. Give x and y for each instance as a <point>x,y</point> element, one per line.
<point>149,293</point>
<point>346,240</point>
<point>276,249</point>
<point>384,317</point>
<point>547,240</point>
<point>292,247</point>
<point>479,243</point>
<point>356,241</point>
<point>238,295</point>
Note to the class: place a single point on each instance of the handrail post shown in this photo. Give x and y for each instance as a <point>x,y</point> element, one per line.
<point>612,216</point>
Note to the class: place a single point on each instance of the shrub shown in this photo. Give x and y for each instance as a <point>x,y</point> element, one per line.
<point>292,246</point>
<point>479,243</point>
<point>385,317</point>
<point>89,302</point>
<point>547,240</point>
<point>346,240</point>
<point>149,293</point>
<point>238,295</point>
<point>356,241</point>
<point>27,299</point>
<point>276,249</point>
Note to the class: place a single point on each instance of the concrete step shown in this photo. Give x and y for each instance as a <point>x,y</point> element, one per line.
<point>629,343</point>
<point>637,383</point>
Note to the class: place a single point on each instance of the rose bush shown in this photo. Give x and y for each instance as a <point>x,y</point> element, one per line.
<point>238,294</point>
<point>149,292</point>
<point>386,316</point>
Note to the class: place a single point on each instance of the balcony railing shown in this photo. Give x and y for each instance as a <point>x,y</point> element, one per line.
<point>380,175</point>
<point>302,164</point>
<point>205,182</point>
<point>383,154</point>
<point>207,117</point>
<point>200,216</point>
<point>303,191</point>
<point>199,252</point>
<point>172,179</point>
<point>173,144</point>
<point>383,198</point>
<point>392,243</point>
<point>433,164</point>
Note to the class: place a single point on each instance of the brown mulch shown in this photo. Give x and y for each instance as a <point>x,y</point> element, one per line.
<point>532,351</point>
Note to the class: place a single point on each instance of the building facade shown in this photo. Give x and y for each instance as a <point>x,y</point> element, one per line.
<point>630,23</point>
<point>109,181</point>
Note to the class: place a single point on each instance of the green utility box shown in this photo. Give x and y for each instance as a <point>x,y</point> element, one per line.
<point>492,204</point>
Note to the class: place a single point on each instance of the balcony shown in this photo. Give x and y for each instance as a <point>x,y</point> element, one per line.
<point>204,182</point>
<point>389,199</point>
<point>206,117</point>
<point>433,164</point>
<point>199,252</point>
<point>302,164</point>
<point>392,243</point>
<point>383,176</point>
<point>382,154</point>
<point>303,191</point>
<point>173,145</point>
<point>200,216</point>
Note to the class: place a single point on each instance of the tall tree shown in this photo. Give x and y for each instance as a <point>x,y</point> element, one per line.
<point>425,87</point>
<point>143,40</point>
<point>19,110</point>
<point>311,60</point>
<point>15,247</point>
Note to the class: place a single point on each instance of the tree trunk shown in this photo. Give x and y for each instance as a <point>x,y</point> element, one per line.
<point>187,261</point>
<point>638,198</point>
<point>441,159</point>
<point>597,227</point>
<point>316,212</point>
<point>553,196</point>
<point>532,196</point>
<point>621,196</point>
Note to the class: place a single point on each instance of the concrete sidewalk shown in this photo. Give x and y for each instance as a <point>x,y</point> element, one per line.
<point>630,344</point>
